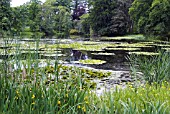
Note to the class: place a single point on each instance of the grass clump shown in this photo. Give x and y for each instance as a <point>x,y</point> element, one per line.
<point>146,99</point>
<point>154,68</point>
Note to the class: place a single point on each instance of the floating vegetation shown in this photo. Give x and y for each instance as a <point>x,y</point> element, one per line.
<point>144,53</point>
<point>167,49</point>
<point>100,53</point>
<point>92,61</point>
<point>129,37</point>
<point>128,49</point>
<point>135,45</point>
<point>161,45</point>
<point>53,55</point>
<point>81,46</point>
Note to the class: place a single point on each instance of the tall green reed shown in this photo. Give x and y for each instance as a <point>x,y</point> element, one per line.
<point>154,68</point>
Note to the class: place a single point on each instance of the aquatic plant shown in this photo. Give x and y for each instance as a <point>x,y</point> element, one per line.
<point>154,68</point>
<point>92,61</point>
<point>144,53</point>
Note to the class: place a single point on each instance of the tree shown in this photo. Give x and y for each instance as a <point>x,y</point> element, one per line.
<point>120,22</point>
<point>85,24</point>
<point>79,8</point>
<point>159,18</point>
<point>151,17</point>
<point>139,12</point>
<point>100,16</point>
<point>110,17</point>
<point>5,15</point>
<point>19,19</point>
<point>48,17</point>
<point>35,17</point>
<point>63,21</point>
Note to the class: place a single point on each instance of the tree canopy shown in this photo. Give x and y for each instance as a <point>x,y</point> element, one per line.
<point>95,17</point>
<point>151,17</point>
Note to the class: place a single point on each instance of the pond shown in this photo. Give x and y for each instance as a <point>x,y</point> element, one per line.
<point>107,54</point>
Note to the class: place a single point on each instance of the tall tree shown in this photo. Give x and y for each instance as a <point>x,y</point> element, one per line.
<point>35,17</point>
<point>5,15</point>
<point>159,18</point>
<point>139,12</point>
<point>19,18</point>
<point>100,16</point>
<point>121,22</point>
<point>63,21</point>
<point>48,16</point>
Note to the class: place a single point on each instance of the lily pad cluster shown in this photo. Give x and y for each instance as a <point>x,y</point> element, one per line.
<point>86,76</point>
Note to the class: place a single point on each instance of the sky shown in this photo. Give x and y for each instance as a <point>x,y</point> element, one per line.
<point>20,2</point>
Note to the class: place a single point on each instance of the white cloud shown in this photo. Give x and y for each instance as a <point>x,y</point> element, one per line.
<point>20,2</point>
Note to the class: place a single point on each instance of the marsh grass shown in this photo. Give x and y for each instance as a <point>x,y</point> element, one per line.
<point>23,89</point>
<point>154,68</point>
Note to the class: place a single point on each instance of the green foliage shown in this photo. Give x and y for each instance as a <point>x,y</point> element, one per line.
<point>154,69</point>
<point>5,15</point>
<point>74,32</point>
<point>151,17</point>
<point>100,15</point>
<point>48,15</point>
<point>121,23</point>
<point>159,19</point>
<point>20,19</point>
<point>145,99</point>
<point>63,20</point>
<point>110,17</point>
<point>85,22</point>
<point>34,9</point>
<point>139,13</point>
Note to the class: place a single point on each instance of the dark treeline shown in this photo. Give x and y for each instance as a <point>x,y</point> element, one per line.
<point>86,17</point>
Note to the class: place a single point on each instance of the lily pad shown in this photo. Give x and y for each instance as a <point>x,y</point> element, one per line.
<point>92,61</point>
<point>130,49</point>
<point>144,53</point>
<point>167,49</point>
<point>53,55</point>
<point>100,53</point>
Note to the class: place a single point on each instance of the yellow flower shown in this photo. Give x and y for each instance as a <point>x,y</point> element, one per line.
<point>16,98</point>
<point>163,87</point>
<point>33,96</point>
<point>78,106</point>
<point>130,86</point>
<point>84,109</point>
<point>86,98</point>
<point>59,102</point>
<point>33,103</point>
<point>17,92</point>
<point>87,102</point>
